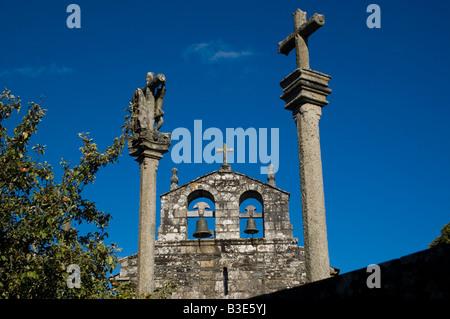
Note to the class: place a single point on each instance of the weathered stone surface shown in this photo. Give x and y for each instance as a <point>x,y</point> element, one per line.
<point>147,145</point>
<point>227,266</point>
<point>313,201</point>
<point>174,179</point>
<point>305,86</point>
<point>227,189</point>
<point>253,267</point>
<point>299,38</point>
<point>305,92</point>
<point>147,104</point>
<point>419,276</point>
<point>148,152</point>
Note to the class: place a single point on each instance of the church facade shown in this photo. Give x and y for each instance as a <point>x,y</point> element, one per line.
<point>228,264</point>
<point>220,262</point>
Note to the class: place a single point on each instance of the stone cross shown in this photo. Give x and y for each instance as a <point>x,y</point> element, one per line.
<point>148,145</point>
<point>305,92</point>
<point>299,38</point>
<point>224,150</point>
<point>147,104</point>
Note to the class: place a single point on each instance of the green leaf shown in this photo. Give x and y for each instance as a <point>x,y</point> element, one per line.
<point>32,274</point>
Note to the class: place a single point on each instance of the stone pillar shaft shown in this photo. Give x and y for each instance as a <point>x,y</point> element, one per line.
<point>305,92</point>
<point>148,150</point>
<point>312,193</point>
<point>147,218</point>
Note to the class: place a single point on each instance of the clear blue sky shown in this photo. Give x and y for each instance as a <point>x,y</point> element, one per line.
<point>384,136</point>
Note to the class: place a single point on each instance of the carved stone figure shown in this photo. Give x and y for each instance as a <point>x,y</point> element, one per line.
<point>147,104</point>
<point>148,145</point>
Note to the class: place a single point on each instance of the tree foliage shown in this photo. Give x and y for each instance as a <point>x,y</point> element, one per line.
<point>443,239</point>
<point>39,216</point>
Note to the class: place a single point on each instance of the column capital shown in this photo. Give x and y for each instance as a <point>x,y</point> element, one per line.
<point>308,108</point>
<point>150,145</point>
<point>305,86</point>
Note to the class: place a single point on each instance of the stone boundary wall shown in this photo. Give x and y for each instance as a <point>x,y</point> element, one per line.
<point>422,275</point>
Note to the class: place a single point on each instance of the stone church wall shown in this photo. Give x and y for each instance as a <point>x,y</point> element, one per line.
<point>226,266</point>
<point>226,189</point>
<point>218,268</point>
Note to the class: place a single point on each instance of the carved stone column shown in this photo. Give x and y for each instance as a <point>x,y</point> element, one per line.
<point>148,150</point>
<point>305,91</point>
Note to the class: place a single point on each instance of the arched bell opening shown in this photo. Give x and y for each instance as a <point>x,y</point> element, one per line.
<point>251,215</point>
<point>201,215</point>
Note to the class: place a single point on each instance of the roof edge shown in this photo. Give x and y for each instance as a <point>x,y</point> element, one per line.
<point>221,171</point>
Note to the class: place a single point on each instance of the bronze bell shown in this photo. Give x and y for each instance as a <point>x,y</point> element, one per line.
<point>251,227</point>
<point>201,230</point>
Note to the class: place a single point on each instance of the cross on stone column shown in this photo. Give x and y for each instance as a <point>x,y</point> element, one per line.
<point>299,38</point>
<point>224,150</point>
<point>305,92</point>
<point>147,147</point>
